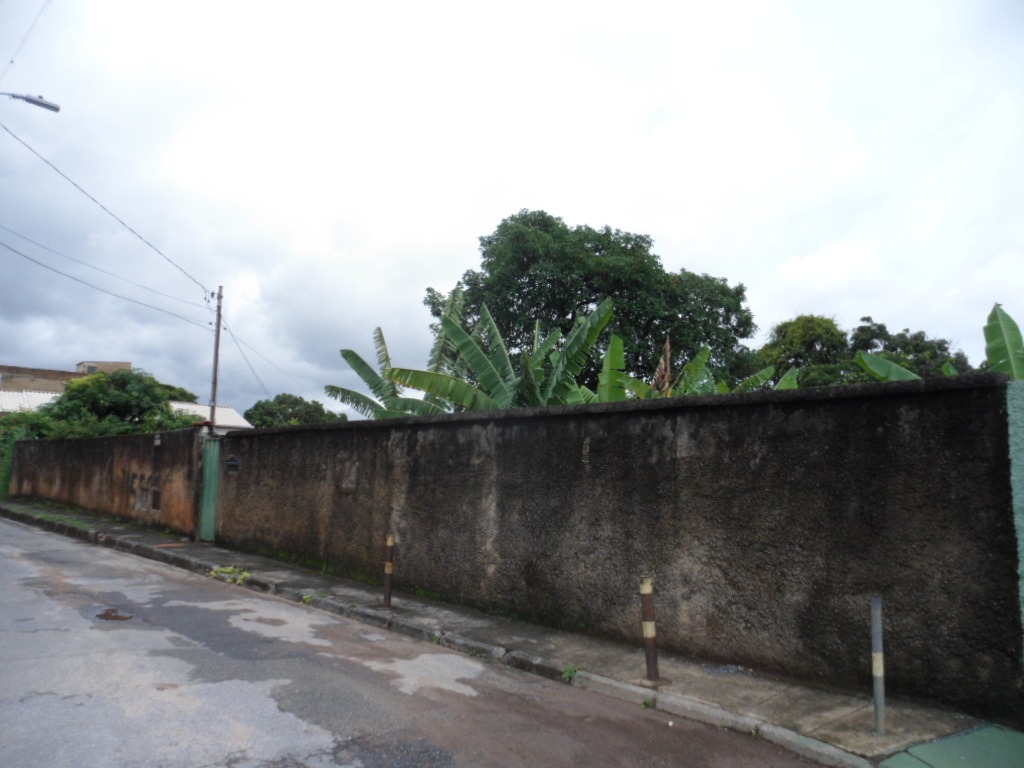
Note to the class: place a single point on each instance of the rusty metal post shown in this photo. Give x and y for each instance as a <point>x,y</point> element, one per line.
<point>650,634</point>
<point>878,664</point>
<point>389,569</point>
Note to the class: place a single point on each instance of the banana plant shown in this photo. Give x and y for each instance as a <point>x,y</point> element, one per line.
<point>545,376</point>
<point>390,401</point>
<point>695,378</point>
<point>1004,347</point>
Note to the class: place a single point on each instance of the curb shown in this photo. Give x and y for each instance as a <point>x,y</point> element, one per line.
<point>607,686</point>
<point>536,665</point>
<point>472,647</point>
<point>553,669</point>
<point>691,709</point>
<point>812,748</point>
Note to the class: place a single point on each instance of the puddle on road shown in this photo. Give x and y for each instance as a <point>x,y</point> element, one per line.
<point>112,614</point>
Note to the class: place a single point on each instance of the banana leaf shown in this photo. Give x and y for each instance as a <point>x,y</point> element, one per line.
<point>568,363</point>
<point>383,389</point>
<point>357,401</point>
<point>695,378</point>
<point>529,383</point>
<point>441,385</point>
<point>790,379</point>
<point>1004,347</point>
<point>756,380</point>
<point>610,387</point>
<point>882,369</point>
<point>493,386</point>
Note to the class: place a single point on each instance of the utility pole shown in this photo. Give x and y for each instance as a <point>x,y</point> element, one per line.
<point>216,359</point>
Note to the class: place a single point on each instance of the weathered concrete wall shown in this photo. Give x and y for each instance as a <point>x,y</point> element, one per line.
<point>1015,405</point>
<point>768,521</point>
<point>148,478</point>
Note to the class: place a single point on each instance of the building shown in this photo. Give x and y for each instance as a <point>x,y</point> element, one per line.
<point>14,378</point>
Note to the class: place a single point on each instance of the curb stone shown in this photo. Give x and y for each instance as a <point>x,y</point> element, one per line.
<point>811,748</point>
<point>416,630</point>
<point>472,647</point>
<point>676,704</point>
<point>538,665</point>
<point>377,616</point>
<point>607,686</point>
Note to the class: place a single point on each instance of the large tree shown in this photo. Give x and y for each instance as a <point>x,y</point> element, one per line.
<point>287,410</point>
<point>537,273</point>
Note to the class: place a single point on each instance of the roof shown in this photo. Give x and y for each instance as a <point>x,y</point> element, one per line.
<point>11,402</point>
<point>227,417</point>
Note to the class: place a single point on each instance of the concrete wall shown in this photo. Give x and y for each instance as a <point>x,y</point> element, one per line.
<point>152,479</point>
<point>768,521</point>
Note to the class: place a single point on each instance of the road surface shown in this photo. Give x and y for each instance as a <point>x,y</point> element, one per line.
<point>111,660</point>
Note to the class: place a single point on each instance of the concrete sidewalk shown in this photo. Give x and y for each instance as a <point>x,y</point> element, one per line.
<point>830,727</point>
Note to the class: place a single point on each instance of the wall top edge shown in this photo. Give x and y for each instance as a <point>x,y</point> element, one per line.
<point>809,395</point>
<point>138,436</point>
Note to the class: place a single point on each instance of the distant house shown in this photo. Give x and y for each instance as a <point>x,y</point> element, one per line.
<point>28,389</point>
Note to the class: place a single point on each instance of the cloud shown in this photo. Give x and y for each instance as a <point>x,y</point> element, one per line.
<point>327,162</point>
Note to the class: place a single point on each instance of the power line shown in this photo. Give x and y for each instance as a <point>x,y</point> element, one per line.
<point>253,370</point>
<point>109,212</point>
<point>101,290</point>
<point>22,43</point>
<point>266,359</point>
<point>105,272</point>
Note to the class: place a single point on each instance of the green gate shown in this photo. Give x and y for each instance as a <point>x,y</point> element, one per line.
<point>211,490</point>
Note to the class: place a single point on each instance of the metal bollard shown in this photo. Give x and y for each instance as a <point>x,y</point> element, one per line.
<point>878,664</point>
<point>389,569</point>
<point>650,633</point>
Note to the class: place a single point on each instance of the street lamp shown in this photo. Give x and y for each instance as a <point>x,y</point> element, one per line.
<point>39,101</point>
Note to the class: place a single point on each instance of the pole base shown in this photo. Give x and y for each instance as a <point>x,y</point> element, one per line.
<point>654,683</point>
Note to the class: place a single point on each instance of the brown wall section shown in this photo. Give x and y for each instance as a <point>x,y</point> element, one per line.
<point>151,479</point>
<point>768,521</point>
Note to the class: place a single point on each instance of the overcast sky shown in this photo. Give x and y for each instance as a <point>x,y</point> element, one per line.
<point>326,162</point>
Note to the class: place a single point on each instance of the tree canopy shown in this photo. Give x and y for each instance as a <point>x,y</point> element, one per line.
<point>287,410</point>
<point>119,402</point>
<point>538,274</point>
<point>826,354</point>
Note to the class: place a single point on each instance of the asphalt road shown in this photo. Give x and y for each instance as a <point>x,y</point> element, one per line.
<point>110,660</point>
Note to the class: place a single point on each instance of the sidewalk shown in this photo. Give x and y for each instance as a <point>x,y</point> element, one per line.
<point>830,727</point>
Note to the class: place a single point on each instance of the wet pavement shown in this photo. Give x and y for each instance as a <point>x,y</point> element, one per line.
<point>828,726</point>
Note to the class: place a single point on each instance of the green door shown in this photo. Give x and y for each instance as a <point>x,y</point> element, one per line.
<point>211,489</point>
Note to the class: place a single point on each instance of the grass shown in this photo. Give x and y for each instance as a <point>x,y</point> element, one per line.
<point>429,594</point>
<point>74,522</point>
<point>234,574</point>
<point>569,673</point>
